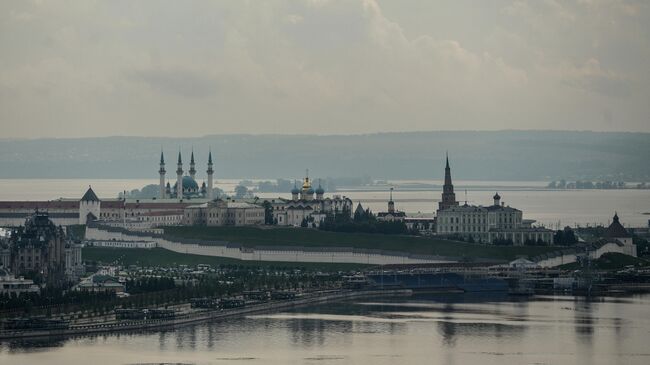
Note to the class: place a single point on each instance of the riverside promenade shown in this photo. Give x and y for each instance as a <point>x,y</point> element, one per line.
<point>202,316</point>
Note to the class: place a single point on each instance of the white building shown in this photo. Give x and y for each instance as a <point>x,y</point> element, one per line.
<point>9,284</point>
<point>616,233</point>
<point>224,213</point>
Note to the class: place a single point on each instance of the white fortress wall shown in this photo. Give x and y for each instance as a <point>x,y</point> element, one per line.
<point>267,254</point>
<point>570,258</point>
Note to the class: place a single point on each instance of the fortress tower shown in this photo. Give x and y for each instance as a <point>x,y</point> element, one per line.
<point>448,195</point>
<point>89,207</point>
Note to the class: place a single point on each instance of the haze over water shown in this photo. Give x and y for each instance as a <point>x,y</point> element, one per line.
<point>456,329</point>
<point>549,207</point>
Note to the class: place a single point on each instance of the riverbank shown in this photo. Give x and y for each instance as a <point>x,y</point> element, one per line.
<point>202,316</point>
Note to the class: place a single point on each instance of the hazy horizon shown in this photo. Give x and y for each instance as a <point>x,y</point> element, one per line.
<point>475,155</point>
<point>252,134</point>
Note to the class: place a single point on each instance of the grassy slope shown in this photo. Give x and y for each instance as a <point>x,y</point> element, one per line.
<point>611,261</point>
<point>162,257</point>
<point>251,236</point>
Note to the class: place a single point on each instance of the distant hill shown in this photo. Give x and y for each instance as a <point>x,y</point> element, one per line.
<point>498,155</point>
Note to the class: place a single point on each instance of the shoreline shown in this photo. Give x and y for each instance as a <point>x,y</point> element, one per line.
<point>134,326</point>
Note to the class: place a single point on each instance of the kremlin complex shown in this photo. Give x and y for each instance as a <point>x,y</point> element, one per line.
<point>187,203</point>
<point>183,203</point>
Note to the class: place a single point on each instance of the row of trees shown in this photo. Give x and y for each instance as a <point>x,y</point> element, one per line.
<point>157,291</point>
<point>563,184</point>
<point>148,284</point>
<point>362,221</point>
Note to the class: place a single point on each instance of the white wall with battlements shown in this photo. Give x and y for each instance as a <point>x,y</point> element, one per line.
<point>251,254</point>
<point>610,247</point>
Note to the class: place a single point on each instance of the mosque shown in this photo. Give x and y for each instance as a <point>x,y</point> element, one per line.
<point>186,184</point>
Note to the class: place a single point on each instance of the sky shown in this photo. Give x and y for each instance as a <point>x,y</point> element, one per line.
<point>192,68</point>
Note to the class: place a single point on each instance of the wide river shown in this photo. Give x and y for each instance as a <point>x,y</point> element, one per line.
<point>457,329</point>
<point>553,208</point>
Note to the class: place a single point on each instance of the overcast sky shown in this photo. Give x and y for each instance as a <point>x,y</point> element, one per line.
<point>191,68</point>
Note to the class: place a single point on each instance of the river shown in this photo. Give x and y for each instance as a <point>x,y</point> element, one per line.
<point>454,329</point>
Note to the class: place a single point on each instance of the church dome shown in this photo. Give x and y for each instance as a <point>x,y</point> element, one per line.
<point>295,190</point>
<point>496,196</point>
<point>320,190</point>
<point>310,190</point>
<point>307,184</point>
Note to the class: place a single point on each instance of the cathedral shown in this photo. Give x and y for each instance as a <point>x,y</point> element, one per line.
<point>41,248</point>
<point>186,186</point>
<point>308,205</point>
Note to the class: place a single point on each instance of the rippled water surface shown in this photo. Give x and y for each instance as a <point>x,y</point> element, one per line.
<point>458,329</point>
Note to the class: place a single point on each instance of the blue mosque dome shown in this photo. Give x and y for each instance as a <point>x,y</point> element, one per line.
<point>189,184</point>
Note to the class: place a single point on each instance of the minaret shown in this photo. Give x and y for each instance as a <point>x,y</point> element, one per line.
<point>192,170</point>
<point>179,178</point>
<point>448,196</point>
<point>162,175</point>
<point>391,203</point>
<point>210,172</point>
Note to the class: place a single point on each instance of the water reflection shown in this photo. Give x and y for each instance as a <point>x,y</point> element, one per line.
<point>34,345</point>
<point>426,328</point>
<point>584,320</point>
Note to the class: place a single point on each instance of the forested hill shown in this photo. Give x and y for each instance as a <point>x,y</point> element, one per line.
<point>498,155</point>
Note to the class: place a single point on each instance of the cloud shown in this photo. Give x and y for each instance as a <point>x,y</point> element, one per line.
<point>591,77</point>
<point>183,82</point>
<point>318,66</point>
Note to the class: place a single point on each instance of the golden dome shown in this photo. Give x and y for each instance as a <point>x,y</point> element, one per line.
<point>307,184</point>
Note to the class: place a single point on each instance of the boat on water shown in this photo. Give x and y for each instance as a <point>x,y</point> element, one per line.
<point>443,282</point>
